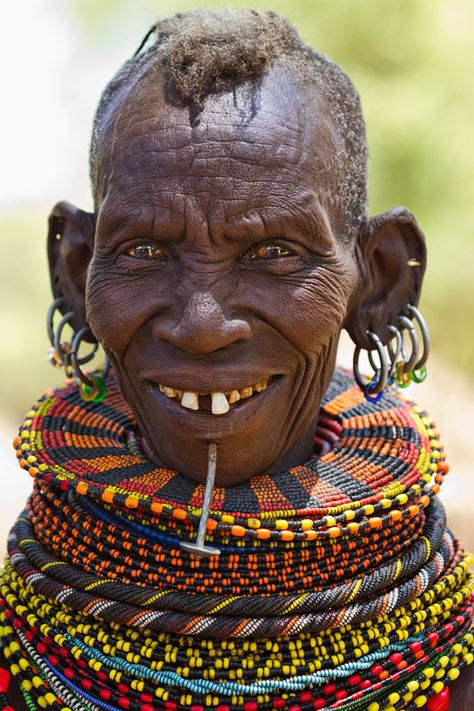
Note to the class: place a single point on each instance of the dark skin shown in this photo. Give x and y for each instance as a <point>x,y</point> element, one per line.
<point>215,259</point>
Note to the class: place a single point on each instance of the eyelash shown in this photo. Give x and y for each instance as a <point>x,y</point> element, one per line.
<point>146,257</point>
<point>149,252</point>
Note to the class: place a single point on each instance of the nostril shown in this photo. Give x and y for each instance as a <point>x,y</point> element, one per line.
<point>203,327</point>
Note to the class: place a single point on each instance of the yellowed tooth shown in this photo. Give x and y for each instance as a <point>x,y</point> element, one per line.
<point>190,400</point>
<point>179,394</point>
<point>262,385</point>
<point>246,392</point>
<point>169,392</point>
<point>161,387</point>
<point>219,405</point>
<point>233,396</point>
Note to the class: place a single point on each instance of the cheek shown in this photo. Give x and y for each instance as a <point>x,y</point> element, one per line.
<point>311,312</point>
<point>116,306</point>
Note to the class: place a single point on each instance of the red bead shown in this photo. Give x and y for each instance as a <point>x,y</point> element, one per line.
<point>377,686</point>
<point>197,707</point>
<point>102,675</point>
<point>341,694</point>
<point>4,680</point>
<point>53,659</point>
<point>433,638</point>
<point>295,707</point>
<point>124,702</point>
<point>105,694</point>
<point>8,614</point>
<point>448,629</point>
<point>171,705</point>
<point>17,624</point>
<point>147,698</point>
<point>222,707</point>
<point>396,657</point>
<point>415,646</point>
<point>41,648</point>
<point>319,704</point>
<point>305,696</point>
<point>365,684</point>
<point>123,688</point>
<point>329,689</point>
<point>29,636</point>
<point>354,679</point>
<point>376,669</point>
<point>357,695</point>
<point>146,707</point>
<point>64,484</point>
<point>439,701</point>
<point>69,673</point>
<point>248,706</point>
<point>86,683</point>
<point>8,708</point>
<point>279,703</point>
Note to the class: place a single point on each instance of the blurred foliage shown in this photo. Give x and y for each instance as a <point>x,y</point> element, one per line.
<point>410,61</point>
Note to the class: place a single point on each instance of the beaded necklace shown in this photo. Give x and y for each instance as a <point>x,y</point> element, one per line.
<point>338,584</point>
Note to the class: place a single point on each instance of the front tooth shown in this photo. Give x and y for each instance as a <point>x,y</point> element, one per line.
<point>190,400</point>
<point>169,392</point>
<point>233,396</point>
<point>245,392</point>
<point>219,404</point>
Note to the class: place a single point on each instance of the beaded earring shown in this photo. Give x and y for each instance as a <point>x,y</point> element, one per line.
<point>65,354</point>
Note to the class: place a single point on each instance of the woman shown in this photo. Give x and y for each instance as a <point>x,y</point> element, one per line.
<point>300,558</point>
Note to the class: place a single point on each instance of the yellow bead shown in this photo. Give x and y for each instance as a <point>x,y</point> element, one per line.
<point>281,525</point>
<point>306,524</point>
<point>374,706</point>
<point>412,686</point>
<point>402,499</point>
<point>453,674</point>
<point>330,521</point>
<point>437,687</point>
<point>50,698</point>
<point>349,514</point>
<point>393,698</point>
<point>368,509</point>
<point>420,701</point>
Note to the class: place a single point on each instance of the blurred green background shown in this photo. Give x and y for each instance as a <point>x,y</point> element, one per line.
<point>411,61</point>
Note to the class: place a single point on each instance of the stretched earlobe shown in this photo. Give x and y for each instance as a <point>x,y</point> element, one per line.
<point>70,246</point>
<point>392,259</point>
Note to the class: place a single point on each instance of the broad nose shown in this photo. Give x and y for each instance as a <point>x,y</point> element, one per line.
<point>203,327</point>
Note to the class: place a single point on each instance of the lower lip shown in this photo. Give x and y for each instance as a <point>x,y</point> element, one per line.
<point>205,424</point>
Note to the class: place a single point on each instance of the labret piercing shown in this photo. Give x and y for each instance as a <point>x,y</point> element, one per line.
<point>199,549</point>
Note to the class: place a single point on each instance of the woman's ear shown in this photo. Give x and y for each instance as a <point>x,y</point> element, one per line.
<point>391,252</point>
<point>70,246</point>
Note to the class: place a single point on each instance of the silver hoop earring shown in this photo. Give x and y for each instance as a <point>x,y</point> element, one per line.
<point>65,354</point>
<point>373,388</point>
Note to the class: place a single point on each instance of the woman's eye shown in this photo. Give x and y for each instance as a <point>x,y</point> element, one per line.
<point>146,251</point>
<point>270,251</point>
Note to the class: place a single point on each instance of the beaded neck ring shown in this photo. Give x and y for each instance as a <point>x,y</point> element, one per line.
<point>338,584</point>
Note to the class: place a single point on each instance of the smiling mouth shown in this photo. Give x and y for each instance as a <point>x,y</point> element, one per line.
<point>216,403</point>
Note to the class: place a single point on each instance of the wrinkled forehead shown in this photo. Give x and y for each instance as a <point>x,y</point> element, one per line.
<point>274,130</point>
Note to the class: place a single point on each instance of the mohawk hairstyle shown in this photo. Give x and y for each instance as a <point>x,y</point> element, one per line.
<point>205,52</point>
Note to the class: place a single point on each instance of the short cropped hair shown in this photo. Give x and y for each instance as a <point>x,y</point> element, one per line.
<point>205,52</point>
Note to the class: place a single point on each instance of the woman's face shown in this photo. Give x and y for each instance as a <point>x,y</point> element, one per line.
<point>218,272</point>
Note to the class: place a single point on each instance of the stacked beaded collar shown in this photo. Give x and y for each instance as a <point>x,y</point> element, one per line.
<point>338,583</point>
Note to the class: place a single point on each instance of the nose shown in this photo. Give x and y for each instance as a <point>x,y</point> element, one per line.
<point>203,327</point>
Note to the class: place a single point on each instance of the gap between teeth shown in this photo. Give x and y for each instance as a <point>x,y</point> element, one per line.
<point>220,402</point>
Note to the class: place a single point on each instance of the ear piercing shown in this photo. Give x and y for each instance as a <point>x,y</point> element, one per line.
<point>199,549</point>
